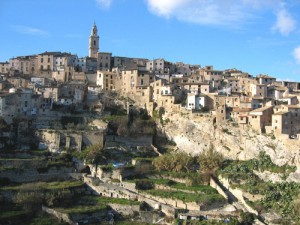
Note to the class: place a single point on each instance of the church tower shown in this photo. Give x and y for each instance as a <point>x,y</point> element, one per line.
<point>94,42</point>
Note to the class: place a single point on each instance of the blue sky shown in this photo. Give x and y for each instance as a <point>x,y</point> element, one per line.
<point>255,36</point>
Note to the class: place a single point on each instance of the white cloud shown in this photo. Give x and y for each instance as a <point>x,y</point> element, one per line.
<point>104,3</point>
<point>230,13</point>
<point>296,54</point>
<point>30,30</point>
<point>285,23</point>
<point>166,7</point>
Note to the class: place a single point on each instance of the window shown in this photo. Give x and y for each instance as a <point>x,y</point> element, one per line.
<point>48,60</point>
<point>94,42</point>
<point>42,60</point>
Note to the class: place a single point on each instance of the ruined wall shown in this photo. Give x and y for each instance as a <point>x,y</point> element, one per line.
<point>60,216</point>
<point>60,139</point>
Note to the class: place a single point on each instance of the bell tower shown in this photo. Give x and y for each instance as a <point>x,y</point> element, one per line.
<point>94,42</point>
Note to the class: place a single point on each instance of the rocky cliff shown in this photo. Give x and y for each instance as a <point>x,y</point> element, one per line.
<point>194,135</point>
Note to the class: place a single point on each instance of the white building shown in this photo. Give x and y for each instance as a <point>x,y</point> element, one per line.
<point>195,102</point>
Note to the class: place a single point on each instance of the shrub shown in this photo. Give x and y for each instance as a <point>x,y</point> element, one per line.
<point>144,185</point>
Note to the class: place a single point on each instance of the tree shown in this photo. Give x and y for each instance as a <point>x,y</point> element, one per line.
<point>93,154</point>
<point>247,218</point>
<point>210,161</point>
<point>177,162</point>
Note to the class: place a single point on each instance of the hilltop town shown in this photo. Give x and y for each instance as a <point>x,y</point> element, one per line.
<point>32,86</point>
<point>136,109</point>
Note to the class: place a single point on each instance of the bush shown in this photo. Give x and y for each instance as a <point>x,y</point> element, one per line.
<point>144,185</point>
<point>247,218</point>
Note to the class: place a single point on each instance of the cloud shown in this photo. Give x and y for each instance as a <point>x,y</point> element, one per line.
<point>285,23</point>
<point>296,54</point>
<point>230,13</point>
<point>104,3</point>
<point>30,30</point>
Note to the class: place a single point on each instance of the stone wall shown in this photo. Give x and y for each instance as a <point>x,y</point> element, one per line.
<point>34,175</point>
<point>60,216</point>
<point>216,186</point>
<point>238,193</point>
<point>125,210</point>
<point>59,139</point>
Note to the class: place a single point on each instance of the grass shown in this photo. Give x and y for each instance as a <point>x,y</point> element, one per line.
<point>181,186</point>
<point>44,219</point>
<point>81,209</point>
<point>186,197</point>
<point>44,185</point>
<point>11,214</point>
<point>91,204</point>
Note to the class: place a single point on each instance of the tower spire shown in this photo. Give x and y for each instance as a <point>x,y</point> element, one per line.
<point>94,42</point>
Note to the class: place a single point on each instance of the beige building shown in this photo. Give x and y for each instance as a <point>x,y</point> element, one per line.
<point>4,67</point>
<point>24,65</point>
<point>245,84</point>
<point>134,79</point>
<point>240,115</point>
<point>214,77</point>
<point>18,82</point>
<point>196,88</point>
<point>233,83</point>
<point>107,80</point>
<point>277,92</point>
<point>265,79</point>
<point>292,86</point>
<point>104,61</point>
<point>160,66</point>
<point>232,101</point>
<point>160,88</point>
<point>258,90</point>
<point>260,118</point>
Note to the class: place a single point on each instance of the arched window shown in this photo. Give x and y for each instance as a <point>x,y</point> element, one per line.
<point>94,43</point>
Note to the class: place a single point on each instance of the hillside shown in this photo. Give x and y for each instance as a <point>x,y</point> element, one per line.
<point>195,135</point>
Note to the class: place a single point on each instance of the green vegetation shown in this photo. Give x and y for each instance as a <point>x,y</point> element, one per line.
<point>91,204</point>
<point>232,221</point>
<point>187,197</point>
<point>11,214</point>
<point>45,219</point>
<point>179,186</point>
<point>177,162</point>
<point>44,186</point>
<point>92,154</point>
<point>263,163</point>
<point>210,161</point>
<point>279,197</point>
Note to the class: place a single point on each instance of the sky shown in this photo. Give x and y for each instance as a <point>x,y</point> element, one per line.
<point>255,36</point>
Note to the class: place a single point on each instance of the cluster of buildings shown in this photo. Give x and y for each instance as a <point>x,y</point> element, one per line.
<point>34,85</point>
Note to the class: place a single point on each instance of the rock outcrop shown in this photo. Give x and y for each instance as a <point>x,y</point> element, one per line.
<point>195,135</point>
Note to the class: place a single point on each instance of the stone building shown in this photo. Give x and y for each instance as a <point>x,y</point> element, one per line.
<point>104,61</point>
<point>4,67</point>
<point>260,118</point>
<point>107,80</point>
<point>94,42</point>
